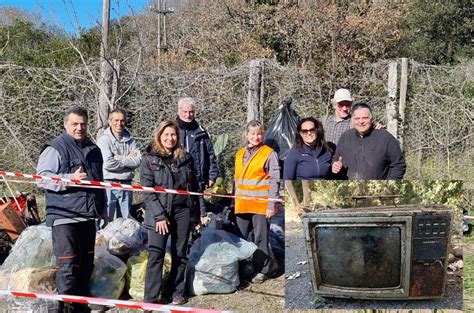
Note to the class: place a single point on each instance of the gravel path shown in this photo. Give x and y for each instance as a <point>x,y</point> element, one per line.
<point>299,295</point>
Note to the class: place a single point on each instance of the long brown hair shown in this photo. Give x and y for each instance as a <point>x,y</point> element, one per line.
<point>319,133</point>
<point>157,146</point>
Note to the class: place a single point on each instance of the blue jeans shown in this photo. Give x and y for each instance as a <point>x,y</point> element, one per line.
<point>118,201</point>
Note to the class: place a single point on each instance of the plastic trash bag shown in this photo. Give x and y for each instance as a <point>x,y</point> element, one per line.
<point>108,277</point>
<point>277,240</point>
<point>282,129</point>
<point>136,272</point>
<point>123,236</point>
<point>213,262</point>
<point>34,279</point>
<point>33,249</point>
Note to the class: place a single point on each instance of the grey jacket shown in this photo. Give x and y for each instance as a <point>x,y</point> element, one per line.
<point>121,167</point>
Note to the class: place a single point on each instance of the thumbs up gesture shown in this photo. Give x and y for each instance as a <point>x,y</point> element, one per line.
<point>80,174</point>
<point>337,165</point>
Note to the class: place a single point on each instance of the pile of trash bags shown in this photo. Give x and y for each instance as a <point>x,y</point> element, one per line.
<point>30,266</point>
<point>120,262</point>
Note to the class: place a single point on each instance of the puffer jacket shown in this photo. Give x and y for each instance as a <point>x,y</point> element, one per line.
<point>154,172</point>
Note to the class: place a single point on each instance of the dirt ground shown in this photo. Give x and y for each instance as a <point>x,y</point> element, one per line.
<point>299,295</point>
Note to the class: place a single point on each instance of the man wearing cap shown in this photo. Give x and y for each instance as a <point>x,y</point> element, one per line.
<point>364,152</point>
<point>335,125</point>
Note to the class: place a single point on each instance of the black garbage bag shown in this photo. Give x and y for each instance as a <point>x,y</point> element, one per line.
<point>282,129</point>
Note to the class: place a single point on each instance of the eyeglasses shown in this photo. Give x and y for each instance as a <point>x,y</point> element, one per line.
<point>308,131</point>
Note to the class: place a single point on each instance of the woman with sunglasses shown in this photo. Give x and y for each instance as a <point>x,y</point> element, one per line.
<point>310,157</point>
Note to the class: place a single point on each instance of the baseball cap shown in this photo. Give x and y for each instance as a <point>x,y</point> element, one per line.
<point>342,95</point>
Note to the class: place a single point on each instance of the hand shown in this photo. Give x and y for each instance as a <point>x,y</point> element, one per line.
<point>271,211</point>
<point>79,174</point>
<point>211,183</point>
<point>337,165</point>
<point>162,227</point>
<point>105,217</point>
<point>132,154</point>
<point>379,126</point>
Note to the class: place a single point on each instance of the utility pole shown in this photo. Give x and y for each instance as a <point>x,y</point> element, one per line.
<point>105,83</point>
<point>161,10</point>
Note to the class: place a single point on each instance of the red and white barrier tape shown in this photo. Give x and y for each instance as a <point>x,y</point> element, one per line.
<point>123,304</point>
<point>95,183</point>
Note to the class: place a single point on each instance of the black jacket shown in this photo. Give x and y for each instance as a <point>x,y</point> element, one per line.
<point>154,172</point>
<point>76,202</point>
<point>376,155</point>
<point>307,162</point>
<point>195,139</point>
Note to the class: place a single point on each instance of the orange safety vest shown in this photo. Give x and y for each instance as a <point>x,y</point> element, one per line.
<point>252,180</point>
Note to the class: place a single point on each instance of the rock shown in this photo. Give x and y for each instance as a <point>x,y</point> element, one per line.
<point>451,258</point>
<point>457,252</point>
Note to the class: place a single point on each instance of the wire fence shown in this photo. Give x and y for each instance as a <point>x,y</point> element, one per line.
<point>438,134</point>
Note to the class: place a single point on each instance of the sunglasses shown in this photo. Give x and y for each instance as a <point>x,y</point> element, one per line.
<point>344,104</point>
<point>308,131</point>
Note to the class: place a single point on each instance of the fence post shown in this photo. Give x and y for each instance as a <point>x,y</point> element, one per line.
<point>254,110</point>
<point>392,125</point>
<point>403,98</point>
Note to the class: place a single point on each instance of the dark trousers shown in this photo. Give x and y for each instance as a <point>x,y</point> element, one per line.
<point>73,247</point>
<point>179,227</point>
<point>263,259</point>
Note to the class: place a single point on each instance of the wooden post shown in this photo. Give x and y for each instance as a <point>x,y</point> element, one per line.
<point>295,203</point>
<point>105,72</point>
<point>403,98</point>
<point>255,85</point>
<point>392,124</point>
<point>307,200</point>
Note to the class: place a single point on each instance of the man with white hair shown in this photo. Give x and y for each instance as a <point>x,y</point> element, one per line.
<point>197,142</point>
<point>364,152</point>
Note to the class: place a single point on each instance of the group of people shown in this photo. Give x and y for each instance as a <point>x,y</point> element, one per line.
<point>345,145</point>
<point>181,157</point>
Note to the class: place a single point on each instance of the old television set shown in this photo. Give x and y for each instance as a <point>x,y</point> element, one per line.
<point>389,252</point>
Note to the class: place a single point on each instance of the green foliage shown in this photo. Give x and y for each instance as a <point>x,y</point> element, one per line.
<point>220,144</point>
<point>24,44</point>
<point>468,273</point>
<point>339,193</point>
<point>438,32</point>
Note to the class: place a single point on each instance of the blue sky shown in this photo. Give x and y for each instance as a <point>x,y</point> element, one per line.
<point>89,12</point>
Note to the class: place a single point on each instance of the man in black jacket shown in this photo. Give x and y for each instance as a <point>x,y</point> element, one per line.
<point>367,153</point>
<point>196,141</point>
<point>71,211</point>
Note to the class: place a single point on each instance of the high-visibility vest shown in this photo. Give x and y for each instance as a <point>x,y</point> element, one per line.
<point>252,180</point>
